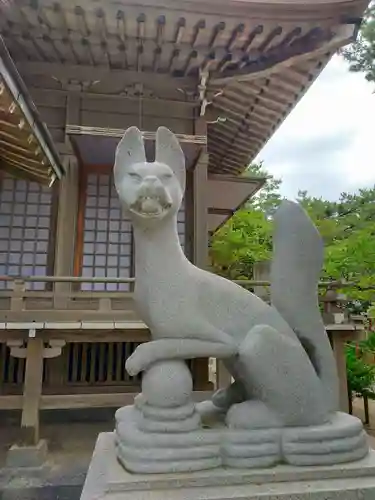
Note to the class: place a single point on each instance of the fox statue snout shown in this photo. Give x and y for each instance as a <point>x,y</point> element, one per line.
<point>152,199</point>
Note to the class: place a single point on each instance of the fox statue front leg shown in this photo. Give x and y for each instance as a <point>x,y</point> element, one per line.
<point>154,351</point>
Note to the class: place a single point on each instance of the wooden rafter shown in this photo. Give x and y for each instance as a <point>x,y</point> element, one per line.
<point>22,144</point>
<point>254,68</point>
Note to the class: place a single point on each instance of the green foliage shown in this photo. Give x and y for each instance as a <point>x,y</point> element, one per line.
<point>361,54</point>
<point>268,198</point>
<point>244,240</point>
<point>347,227</point>
<point>247,236</point>
<point>360,372</point>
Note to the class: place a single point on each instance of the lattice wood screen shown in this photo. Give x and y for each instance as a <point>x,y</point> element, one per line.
<point>25,229</point>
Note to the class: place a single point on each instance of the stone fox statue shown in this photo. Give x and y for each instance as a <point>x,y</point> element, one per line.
<point>278,355</point>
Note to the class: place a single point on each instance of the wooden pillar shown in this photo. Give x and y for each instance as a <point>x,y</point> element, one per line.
<point>200,239</point>
<point>223,377</point>
<point>262,272</point>
<point>338,344</point>
<point>66,226</point>
<point>200,211</point>
<point>64,252</point>
<point>66,218</point>
<point>341,335</point>
<point>200,208</point>
<point>32,392</point>
<point>30,450</point>
<point>201,375</point>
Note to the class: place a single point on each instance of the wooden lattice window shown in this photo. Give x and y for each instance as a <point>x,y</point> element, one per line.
<point>105,236</point>
<point>181,224</point>
<point>25,229</point>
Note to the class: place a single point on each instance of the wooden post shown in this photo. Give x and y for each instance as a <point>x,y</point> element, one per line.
<point>339,351</point>
<point>32,392</point>
<point>340,335</point>
<point>200,238</point>
<point>56,371</point>
<point>261,272</point>
<point>201,375</point>
<point>66,229</point>
<point>223,377</point>
<point>200,211</point>
<point>17,298</point>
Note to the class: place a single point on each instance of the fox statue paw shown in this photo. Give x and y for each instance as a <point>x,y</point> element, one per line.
<point>138,361</point>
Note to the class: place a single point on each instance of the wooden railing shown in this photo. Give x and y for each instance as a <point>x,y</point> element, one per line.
<point>63,302</point>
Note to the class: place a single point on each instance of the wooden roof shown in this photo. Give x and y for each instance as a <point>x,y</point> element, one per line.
<point>25,147</point>
<point>249,61</point>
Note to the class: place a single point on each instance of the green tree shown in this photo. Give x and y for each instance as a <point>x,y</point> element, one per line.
<point>348,230</point>
<point>360,373</point>
<point>361,54</point>
<point>346,225</point>
<point>247,237</point>
<point>268,198</point>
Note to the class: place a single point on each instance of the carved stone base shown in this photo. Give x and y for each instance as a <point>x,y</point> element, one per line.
<point>108,480</point>
<point>162,432</point>
<point>144,451</point>
<point>340,440</point>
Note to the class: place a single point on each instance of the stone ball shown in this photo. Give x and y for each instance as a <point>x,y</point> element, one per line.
<point>167,384</point>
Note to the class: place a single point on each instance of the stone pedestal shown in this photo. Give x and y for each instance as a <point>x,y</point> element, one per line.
<point>108,480</point>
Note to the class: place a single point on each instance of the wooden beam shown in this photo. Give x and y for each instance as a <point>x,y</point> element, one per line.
<point>77,401</point>
<point>38,94</point>
<point>118,133</point>
<point>101,73</point>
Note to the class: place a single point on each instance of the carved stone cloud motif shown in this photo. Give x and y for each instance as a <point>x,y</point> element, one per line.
<point>282,404</point>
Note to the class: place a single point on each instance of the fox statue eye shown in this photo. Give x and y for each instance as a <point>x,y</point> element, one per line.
<point>167,176</point>
<point>134,175</point>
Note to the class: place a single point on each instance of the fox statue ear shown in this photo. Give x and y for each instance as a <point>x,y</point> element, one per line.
<point>129,150</point>
<point>169,152</point>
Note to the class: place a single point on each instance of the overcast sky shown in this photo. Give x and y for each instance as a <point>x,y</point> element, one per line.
<point>327,143</point>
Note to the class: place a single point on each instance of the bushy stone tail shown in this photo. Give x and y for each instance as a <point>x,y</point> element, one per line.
<point>295,271</point>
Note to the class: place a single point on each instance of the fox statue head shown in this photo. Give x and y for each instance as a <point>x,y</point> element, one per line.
<point>150,192</point>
